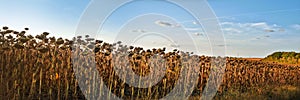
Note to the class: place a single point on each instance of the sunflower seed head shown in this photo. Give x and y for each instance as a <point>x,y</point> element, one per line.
<point>9,31</point>
<point>9,37</point>
<point>30,36</point>
<point>19,46</point>
<point>22,33</point>
<point>90,46</point>
<point>43,49</point>
<point>5,28</point>
<point>79,37</point>
<point>24,39</point>
<point>16,32</point>
<point>99,41</point>
<point>90,39</point>
<point>5,47</point>
<point>46,33</point>
<point>60,41</point>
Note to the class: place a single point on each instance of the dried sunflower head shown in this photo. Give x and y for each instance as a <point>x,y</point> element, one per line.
<point>24,39</point>
<point>97,49</point>
<point>46,40</point>
<point>107,53</point>
<point>30,36</point>
<point>159,50</point>
<point>5,47</point>
<point>22,33</point>
<point>130,47</point>
<point>43,49</point>
<point>164,49</point>
<point>67,40</point>
<point>19,45</point>
<point>139,57</point>
<point>90,46</point>
<point>119,42</point>
<point>16,32</point>
<point>130,53</point>
<point>153,49</point>
<point>175,50</point>
<point>9,37</point>
<point>148,50</point>
<point>5,28</point>
<point>52,39</point>
<point>70,42</point>
<point>9,31</point>
<point>2,40</point>
<point>59,41</point>
<point>90,39</point>
<point>63,47</point>
<point>39,37</point>
<point>45,33</point>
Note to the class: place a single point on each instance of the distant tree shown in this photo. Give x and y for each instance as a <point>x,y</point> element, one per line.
<point>297,56</point>
<point>292,54</point>
<point>284,57</point>
<point>276,55</point>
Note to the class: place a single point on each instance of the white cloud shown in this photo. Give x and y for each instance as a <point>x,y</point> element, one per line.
<point>163,23</point>
<point>227,23</point>
<point>269,30</point>
<point>193,29</point>
<point>232,30</point>
<point>258,27</point>
<point>296,26</point>
<point>259,31</point>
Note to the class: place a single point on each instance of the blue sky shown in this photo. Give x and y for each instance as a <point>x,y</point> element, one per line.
<point>252,28</point>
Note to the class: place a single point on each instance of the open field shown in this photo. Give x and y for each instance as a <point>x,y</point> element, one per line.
<point>253,59</point>
<point>41,67</point>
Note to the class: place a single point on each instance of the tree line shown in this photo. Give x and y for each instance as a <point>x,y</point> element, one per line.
<point>284,57</point>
